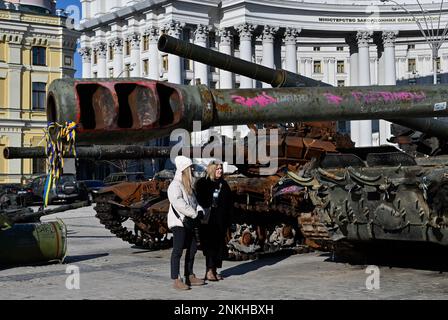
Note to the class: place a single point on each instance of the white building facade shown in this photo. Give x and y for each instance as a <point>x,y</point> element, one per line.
<point>341,42</point>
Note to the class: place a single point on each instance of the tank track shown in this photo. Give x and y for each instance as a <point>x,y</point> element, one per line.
<point>144,234</point>
<point>262,239</point>
<point>263,227</point>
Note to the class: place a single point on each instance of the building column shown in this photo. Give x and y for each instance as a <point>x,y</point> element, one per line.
<point>101,52</point>
<point>153,37</point>
<point>201,73</point>
<point>245,31</point>
<point>86,56</point>
<point>225,46</point>
<point>135,39</point>
<point>353,81</point>
<point>331,70</point>
<point>200,39</point>
<point>309,67</point>
<point>389,77</point>
<point>364,57</point>
<point>117,47</point>
<point>174,29</point>
<point>363,37</point>
<point>302,66</point>
<point>268,49</point>
<point>225,77</point>
<point>291,35</point>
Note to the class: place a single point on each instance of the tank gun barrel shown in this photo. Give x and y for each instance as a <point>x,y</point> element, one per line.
<point>133,110</point>
<point>96,152</point>
<point>276,78</point>
<point>11,216</point>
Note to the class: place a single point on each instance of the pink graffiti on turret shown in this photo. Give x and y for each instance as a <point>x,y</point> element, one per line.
<point>261,100</point>
<point>333,99</point>
<point>388,97</point>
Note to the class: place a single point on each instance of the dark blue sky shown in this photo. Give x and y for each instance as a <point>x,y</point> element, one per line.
<point>63,4</point>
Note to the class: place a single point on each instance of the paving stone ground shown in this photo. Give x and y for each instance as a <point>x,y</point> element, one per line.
<point>112,269</point>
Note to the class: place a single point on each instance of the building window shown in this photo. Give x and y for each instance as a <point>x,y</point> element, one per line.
<point>340,66</point>
<point>145,67</point>
<point>317,67</point>
<point>127,70</point>
<point>127,46</point>
<point>68,61</point>
<point>145,43</point>
<point>165,62</point>
<point>316,48</point>
<point>339,48</point>
<point>438,66</point>
<point>341,83</point>
<point>188,64</point>
<point>39,95</point>
<point>412,67</point>
<point>111,72</point>
<point>39,56</point>
<point>111,53</point>
<point>187,82</point>
<point>95,57</point>
<point>95,74</point>
<point>213,84</point>
<point>411,46</point>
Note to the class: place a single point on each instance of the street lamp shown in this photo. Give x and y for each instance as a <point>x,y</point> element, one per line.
<point>433,37</point>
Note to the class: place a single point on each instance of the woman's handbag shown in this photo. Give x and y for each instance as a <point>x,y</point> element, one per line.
<point>190,224</point>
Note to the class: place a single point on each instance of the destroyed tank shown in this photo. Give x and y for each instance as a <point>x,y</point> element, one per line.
<point>132,110</point>
<point>416,136</point>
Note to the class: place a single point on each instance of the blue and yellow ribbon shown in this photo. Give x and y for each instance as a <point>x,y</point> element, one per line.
<point>60,139</point>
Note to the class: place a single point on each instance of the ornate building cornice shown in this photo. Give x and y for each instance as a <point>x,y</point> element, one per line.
<point>85,53</point>
<point>225,36</point>
<point>269,33</point>
<point>291,35</point>
<point>134,39</point>
<point>152,33</point>
<point>246,31</point>
<point>389,38</point>
<point>173,28</point>
<point>364,38</point>
<point>101,49</point>
<point>117,44</point>
<point>201,33</point>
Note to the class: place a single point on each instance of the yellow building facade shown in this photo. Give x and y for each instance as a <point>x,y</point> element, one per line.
<point>36,47</point>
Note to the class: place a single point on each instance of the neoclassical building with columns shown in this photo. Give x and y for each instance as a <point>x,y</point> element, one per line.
<point>341,42</point>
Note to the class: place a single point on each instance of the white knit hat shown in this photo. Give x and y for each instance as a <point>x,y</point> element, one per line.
<point>182,163</point>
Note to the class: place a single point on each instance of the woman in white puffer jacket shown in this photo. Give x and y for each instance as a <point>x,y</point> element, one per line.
<point>183,200</point>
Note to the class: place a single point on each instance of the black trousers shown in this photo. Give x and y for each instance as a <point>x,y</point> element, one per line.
<point>213,245</point>
<point>182,239</point>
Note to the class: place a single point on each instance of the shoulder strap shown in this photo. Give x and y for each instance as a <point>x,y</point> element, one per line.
<point>175,212</point>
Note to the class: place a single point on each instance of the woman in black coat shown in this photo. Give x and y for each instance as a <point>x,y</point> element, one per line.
<point>214,193</point>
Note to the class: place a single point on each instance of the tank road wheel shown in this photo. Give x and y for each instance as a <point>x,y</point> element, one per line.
<point>148,231</point>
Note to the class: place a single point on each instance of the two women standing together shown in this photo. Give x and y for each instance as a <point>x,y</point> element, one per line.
<point>211,202</point>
